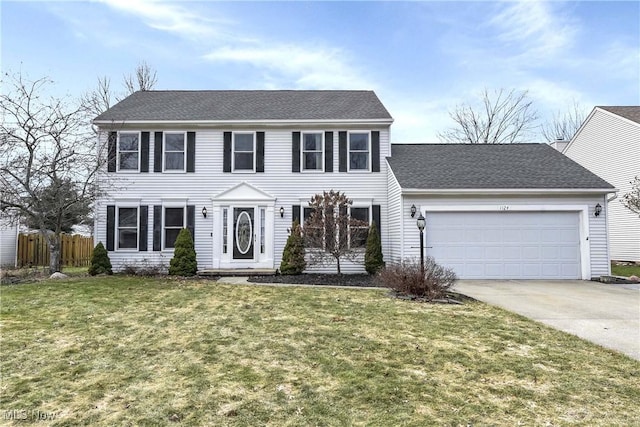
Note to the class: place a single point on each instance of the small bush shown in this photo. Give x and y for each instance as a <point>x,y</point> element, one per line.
<point>406,278</point>
<point>100,262</point>
<point>184,261</point>
<point>373,258</point>
<point>293,261</point>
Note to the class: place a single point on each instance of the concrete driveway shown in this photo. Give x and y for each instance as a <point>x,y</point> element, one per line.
<point>606,314</point>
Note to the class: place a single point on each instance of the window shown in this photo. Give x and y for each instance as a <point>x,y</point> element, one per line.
<point>359,151</point>
<point>314,233</point>
<point>128,151</point>
<point>262,229</point>
<point>174,150</point>
<point>127,228</point>
<point>173,223</point>
<point>358,227</point>
<point>312,151</point>
<point>243,152</point>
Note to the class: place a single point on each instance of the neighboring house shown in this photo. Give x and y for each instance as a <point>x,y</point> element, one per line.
<point>608,144</point>
<point>8,240</point>
<point>238,167</point>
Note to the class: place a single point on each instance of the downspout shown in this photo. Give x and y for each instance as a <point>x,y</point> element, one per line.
<point>606,227</point>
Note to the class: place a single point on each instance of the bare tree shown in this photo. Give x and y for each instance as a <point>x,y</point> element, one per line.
<point>48,158</point>
<point>564,125</point>
<point>631,200</point>
<point>331,233</point>
<point>503,117</point>
<point>144,79</point>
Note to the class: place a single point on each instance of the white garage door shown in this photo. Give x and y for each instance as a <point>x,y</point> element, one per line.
<point>506,245</point>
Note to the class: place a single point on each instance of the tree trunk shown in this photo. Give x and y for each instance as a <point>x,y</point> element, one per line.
<point>54,253</point>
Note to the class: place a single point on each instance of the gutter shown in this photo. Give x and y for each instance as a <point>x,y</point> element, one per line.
<point>509,191</point>
<point>363,122</point>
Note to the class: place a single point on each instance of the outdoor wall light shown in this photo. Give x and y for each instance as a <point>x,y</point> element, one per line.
<point>597,210</point>
<point>281,212</point>
<point>413,211</point>
<point>204,212</point>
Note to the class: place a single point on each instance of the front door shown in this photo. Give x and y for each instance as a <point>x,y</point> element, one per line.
<point>243,232</point>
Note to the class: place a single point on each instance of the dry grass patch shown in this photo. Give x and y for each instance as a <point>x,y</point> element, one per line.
<point>141,351</point>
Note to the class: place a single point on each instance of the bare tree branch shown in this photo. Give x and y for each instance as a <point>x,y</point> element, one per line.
<point>504,117</point>
<point>564,125</point>
<point>631,200</point>
<point>144,79</point>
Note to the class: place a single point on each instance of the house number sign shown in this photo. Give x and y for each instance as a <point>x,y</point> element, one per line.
<point>503,208</point>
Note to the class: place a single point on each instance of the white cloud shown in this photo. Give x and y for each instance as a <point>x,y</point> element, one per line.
<point>314,67</point>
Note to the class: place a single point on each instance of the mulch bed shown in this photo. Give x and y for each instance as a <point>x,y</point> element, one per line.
<point>357,280</point>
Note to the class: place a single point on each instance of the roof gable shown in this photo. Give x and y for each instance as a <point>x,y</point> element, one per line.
<point>247,105</point>
<point>488,167</point>
<point>629,112</point>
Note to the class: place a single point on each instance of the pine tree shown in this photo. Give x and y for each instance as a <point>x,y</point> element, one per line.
<point>293,261</point>
<point>373,259</point>
<point>100,262</point>
<point>184,261</point>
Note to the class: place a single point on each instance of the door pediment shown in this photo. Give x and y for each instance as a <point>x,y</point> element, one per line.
<point>243,191</point>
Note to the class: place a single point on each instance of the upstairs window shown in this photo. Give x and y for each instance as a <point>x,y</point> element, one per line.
<point>128,151</point>
<point>312,151</point>
<point>127,228</point>
<point>244,152</point>
<point>359,151</point>
<point>174,151</point>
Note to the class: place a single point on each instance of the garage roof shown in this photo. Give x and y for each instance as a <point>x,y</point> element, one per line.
<point>488,166</point>
<point>241,105</point>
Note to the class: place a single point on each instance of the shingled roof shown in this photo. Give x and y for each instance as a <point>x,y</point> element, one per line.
<point>628,112</point>
<point>488,166</point>
<point>221,105</point>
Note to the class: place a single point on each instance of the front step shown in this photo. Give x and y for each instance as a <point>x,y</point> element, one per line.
<point>230,272</point>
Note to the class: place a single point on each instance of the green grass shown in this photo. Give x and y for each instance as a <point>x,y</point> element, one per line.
<point>131,351</point>
<point>625,270</point>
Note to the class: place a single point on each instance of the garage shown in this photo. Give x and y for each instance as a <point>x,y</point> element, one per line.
<point>506,245</point>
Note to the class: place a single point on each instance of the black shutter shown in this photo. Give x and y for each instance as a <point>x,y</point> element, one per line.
<point>111,227</point>
<point>144,228</point>
<point>375,151</point>
<point>157,228</point>
<point>328,151</point>
<point>296,214</point>
<point>191,151</point>
<point>226,163</point>
<point>157,154</point>
<point>342,151</point>
<point>191,221</point>
<point>112,141</point>
<point>295,152</point>
<point>259,151</point>
<point>376,217</point>
<point>144,152</point>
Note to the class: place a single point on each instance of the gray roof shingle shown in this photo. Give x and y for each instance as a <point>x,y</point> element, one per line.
<point>488,166</point>
<point>176,105</point>
<point>630,112</point>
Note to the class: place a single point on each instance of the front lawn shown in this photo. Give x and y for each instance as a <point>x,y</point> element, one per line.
<point>625,270</point>
<point>133,351</point>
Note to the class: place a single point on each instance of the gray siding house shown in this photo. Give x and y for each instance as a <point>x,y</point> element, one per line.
<point>238,167</point>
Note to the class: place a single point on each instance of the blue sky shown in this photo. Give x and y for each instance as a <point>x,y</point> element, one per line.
<point>421,58</point>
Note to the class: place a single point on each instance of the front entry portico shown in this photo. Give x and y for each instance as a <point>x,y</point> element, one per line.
<point>243,221</point>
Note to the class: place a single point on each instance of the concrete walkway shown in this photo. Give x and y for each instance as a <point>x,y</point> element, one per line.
<point>606,314</point>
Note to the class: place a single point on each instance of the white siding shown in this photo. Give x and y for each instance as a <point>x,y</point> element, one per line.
<point>8,243</point>
<point>208,181</point>
<point>609,146</point>
<point>394,229</point>
<point>599,264</point>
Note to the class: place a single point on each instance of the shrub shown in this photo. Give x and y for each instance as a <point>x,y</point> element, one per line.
<point>100,262</point>
<point>184,261</point>
<point>406,278</point>
<point>293,261</point>
<point>373,258</point>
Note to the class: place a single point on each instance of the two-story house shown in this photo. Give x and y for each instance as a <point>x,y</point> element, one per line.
<point>238,167</point>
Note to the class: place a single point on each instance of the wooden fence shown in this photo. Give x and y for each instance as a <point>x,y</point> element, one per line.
<point>33,250</point>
